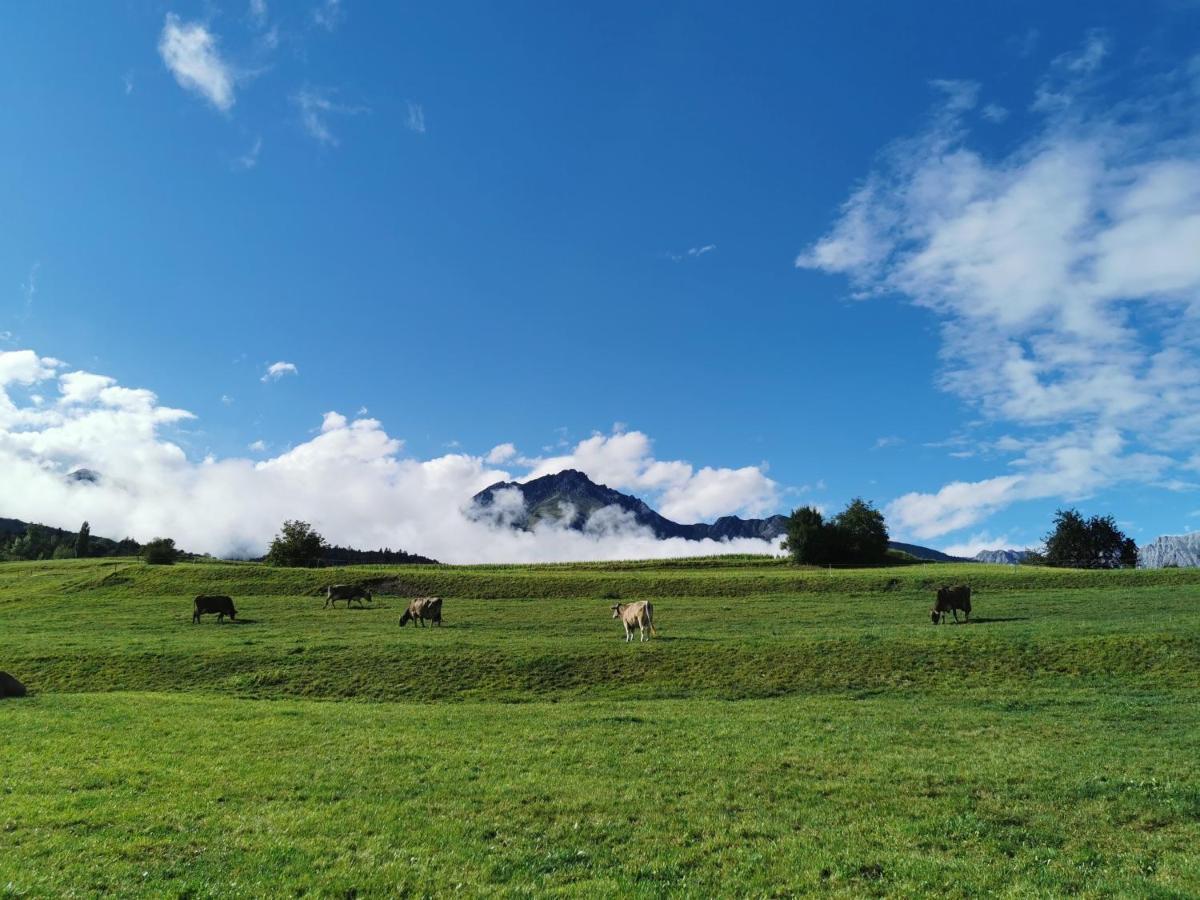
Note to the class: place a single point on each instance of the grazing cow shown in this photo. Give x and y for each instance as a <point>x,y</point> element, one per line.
<point>10,687</point>
<point>639,615</point>
<point>219,604</point>
<point>951,600</point>
<point>347,592</point>
<point>423,608</point>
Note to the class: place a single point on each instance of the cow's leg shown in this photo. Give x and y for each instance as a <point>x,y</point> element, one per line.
<point>955,611</point>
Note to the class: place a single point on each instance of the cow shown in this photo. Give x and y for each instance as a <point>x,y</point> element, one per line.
<point>951,600</point>
<point>219,604</point>
<point>639,615</point>
<point>347,592</point>
<point>422,608</point>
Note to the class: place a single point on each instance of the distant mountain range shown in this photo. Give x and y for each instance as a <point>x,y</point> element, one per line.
<point>1004,557</point>
<point>1182,550</point>
<point>571,498</point>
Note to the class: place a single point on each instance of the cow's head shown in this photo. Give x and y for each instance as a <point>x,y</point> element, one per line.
<point>405,618</point>
<point>936,616</point>
<point>616,610</point>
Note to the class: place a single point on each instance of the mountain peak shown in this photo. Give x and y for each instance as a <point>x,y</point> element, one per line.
<point>571,498</point>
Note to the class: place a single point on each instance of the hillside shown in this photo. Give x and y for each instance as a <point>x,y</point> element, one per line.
<point>775,739</point>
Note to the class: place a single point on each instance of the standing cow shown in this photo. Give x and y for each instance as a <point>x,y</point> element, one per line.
<point>951,600</point>
<point>639,615</point>
<point>347,592</point>
<point>421,609</point>
<point>219,604</point>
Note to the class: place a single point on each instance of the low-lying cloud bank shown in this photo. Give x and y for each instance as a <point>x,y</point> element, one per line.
<point>351,481</point>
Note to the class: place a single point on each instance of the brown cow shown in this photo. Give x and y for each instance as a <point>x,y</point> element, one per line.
<point>422,608</point>
<point>951,600</point>
<point>639,615</point>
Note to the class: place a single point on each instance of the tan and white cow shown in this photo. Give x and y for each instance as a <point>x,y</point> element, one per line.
<point>639,615</point>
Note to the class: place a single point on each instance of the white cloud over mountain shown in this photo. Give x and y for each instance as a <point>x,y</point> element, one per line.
<point>1066,275</point>
<point>351,480</point>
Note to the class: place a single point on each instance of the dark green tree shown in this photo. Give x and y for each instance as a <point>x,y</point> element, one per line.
<point>296,545</point>
<point>1095,543</point>
<point>83,543</point>
<point>860,534</point>
<point>807,537</point>
<point>160,552</point>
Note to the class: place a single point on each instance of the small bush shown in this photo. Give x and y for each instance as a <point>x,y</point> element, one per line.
<point>160,552</point>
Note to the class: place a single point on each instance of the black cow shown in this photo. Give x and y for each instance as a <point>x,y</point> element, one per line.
<point>219,604</point>
<point>951,600</point>
<point>347,592</point>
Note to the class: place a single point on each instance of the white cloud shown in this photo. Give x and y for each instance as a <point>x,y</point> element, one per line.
<point>127,83</point>
<point>316,106</point>
<point>501,453</point>
<point>1066,277</point>
<point>277,370</point>
<point>189,50</point>
<point>258,446</point>
<point>416,118</point>
<point>351,480</point>
<point>258,12</point>
<point>692,252</point>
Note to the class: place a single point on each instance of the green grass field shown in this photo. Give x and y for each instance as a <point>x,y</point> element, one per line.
<point>790,732</point>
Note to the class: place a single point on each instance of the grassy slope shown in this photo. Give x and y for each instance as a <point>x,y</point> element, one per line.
<point>1049,748</point>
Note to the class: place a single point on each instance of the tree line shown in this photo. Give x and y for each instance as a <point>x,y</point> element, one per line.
<point>858,536</point>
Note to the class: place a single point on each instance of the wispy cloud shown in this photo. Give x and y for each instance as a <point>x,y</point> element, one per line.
<point>127,83</point>
<point>249,159</point>
<point>258,446</point>
<point>329,14</point>
<point>416,118</point>
<point>29,290</point>
<point>257,12</point>
<point>190,51</point>
<point>277,370</point>
<point>692,252</point>
<point>994,112</point>
<point>889,440</point>
<point>1066,278</point>
<point>316,106</point>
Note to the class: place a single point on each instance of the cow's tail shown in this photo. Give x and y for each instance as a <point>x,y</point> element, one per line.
<point>653,630</point>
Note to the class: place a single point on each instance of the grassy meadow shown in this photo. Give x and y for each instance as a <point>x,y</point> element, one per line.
<point>790,732</point>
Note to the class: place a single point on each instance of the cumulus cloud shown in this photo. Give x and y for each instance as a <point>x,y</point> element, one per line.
<point>1066,276</point>
<point>190,51</point>
<point>351,480</point>
<point>277,370</point>
<point>501,453</point>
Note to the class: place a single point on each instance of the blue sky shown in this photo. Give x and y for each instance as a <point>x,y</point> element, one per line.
<point>767,255</point>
